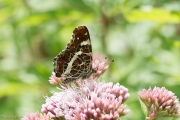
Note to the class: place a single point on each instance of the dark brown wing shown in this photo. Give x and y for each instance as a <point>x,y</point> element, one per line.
<point>79,35</point>
<point>61,61</point>
<point>76,60</point>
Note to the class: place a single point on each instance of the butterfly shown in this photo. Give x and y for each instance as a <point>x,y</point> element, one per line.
<point>75,61</point>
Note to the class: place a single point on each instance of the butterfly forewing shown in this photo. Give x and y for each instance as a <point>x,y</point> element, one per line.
<point>76,60</point>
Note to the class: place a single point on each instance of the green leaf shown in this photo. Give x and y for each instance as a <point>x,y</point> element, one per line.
<point>153,15</point>
<point>143,107</point>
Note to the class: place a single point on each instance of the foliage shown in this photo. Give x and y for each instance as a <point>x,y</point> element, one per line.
<point>143,37</point>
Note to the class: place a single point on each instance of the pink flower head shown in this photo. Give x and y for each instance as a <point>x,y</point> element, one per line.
<point>90,100</point>
<point>100,63</point>
<point>158,100</point>
<point>54,80</point>
<point>100,67</point>
<point>35,116</point>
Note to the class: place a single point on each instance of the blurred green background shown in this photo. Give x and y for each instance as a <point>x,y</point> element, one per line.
<point>142,36</point>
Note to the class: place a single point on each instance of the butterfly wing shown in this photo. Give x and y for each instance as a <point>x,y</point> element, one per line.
<point>76,60</point>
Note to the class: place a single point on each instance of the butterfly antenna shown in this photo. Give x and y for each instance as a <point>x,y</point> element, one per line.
<point>111,61</point>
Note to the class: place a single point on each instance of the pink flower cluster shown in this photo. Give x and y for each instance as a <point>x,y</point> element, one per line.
<point>91,100</point>
<point>158,100</point>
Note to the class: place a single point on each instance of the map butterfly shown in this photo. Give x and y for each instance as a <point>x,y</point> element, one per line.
<point>75,61</point>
